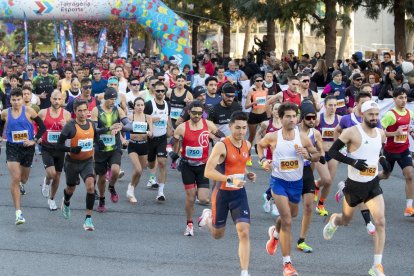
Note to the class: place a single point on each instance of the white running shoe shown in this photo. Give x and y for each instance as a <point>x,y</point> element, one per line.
<point>189,230</point>
<point>45,188</point>
<point>202,220</point>
<point>266,203</point>
<point>130,194</point>
<point>340,194</point>
<point>52,204</point>
<point>329,229</point>
<point>152,181</point>
<point>275,211</point>
<point>160,197</point>
<point>371,228</point>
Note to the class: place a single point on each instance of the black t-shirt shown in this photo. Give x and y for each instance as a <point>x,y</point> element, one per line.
<point>220,115</point>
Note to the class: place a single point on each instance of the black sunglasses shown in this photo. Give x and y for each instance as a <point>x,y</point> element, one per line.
<point>134,84</point>
<point>87,87</point>
<point>195,113</point>
<point>230,95</point>
<point>160,91</point>
<point>259,80</point>
<point>44,67</point>
<point>310,117</point>
<point>305,81</point>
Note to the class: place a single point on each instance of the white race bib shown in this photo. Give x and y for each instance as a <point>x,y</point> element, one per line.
<point>86,144</point>
<point>139,127</point>
<point>328,132</point>
<point>401,139</point>
<point>261,100</point>
<point>53,136</point>
<point>235,176</point>
<point>288,164</point>
<point>194,152</point>
<point>20,136</point>
<point>108,140</point>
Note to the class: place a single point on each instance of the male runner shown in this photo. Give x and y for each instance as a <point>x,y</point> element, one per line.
<point>289,147</point>
<point>194,138</point>
<point>54,118</point>
<point>79,161</point>
<point>20,146</point>
<point>86,88</point>
<point>229,194</point>
<point>396,123</point>
<point>364,143</point>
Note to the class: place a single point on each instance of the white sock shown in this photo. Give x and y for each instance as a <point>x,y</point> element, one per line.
<point>276,234</point>
<point>409,203</point>
<point>286,259</point>
<point>377,259</point>
<point>333,222</point>
<point>244,273</point>
<point>161,188</point>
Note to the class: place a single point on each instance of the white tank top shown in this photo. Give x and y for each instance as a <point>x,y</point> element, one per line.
<point>287,164</point>
<point>160,127</point>
<point>130,97</point>
<point>369,150</point>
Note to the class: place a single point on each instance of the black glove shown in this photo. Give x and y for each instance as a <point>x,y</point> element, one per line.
<point>174,156</point>
<point>322,160</point>
<point>76,149</point>
<point>386,166</point>
<point>360,164</point>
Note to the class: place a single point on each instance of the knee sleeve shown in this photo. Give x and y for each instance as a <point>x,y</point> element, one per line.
<point>90,201</point>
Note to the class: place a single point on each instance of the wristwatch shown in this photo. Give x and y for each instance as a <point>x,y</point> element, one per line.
<point>229,181</point>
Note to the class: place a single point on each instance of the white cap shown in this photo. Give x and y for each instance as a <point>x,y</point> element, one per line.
<point>368,105</point>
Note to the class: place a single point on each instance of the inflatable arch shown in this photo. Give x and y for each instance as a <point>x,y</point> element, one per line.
<point>169,30</point>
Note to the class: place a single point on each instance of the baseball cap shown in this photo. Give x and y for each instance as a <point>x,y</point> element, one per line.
<point>110,93</point>
<point>356,76</point>
<point>228,88</point>
<point>306,56</point>
<point>336,73</point>
<point>368,105</point>
<point>198,90</point>
<point>112,80</point>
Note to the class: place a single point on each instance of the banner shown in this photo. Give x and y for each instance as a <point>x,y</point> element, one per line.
<point>124,50</point>
<point>101,42</point>
<point>72,42</point>
<point>26,40</point>
<point>55,51</point>
<point>62,41</point>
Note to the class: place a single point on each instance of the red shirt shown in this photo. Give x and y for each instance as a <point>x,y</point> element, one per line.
<point>400,143</point>
<point>289,96</point>
<point>53,128</point>
<point>196,143</point>
<point>209,68</point>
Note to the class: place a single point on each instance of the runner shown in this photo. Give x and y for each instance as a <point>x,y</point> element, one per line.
<point>86,86</point>
<point>194,138</point>
<point>292,94</point>
<point>289,149</point>
<point>159,110</point>
<point>179,96</point>
<point>54,119</point>
<point>396,123</point>
<point>20,146</point>
<point>364,142</point>
<point>79,160</point>
<point>107,118</point>
<point>229,193</point>
<point>337,88</point>
<point>142,129</point>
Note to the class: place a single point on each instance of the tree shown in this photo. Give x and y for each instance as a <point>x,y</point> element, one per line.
<point>39,32</point>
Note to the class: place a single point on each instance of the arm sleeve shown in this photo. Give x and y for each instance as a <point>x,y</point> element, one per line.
<point>41,125</point>
<point>2,123</point>
<point>99,131</point>
<point>337,155</point>
<point>60,145</point>
<point>127,124</point>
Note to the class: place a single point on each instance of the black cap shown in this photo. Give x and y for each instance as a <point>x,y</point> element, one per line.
<point>228,88</point>
<point>198,90</point>
<point>110,93</point>
<point>356,76</point>
<point>307,107</point>
<point>306,56</point>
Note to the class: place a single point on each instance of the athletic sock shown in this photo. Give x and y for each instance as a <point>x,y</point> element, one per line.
<point>244,273</point>
<point>276,234</point>
<point>286,259</point>
<point>321,201</point>
<point>300,240</point>
<point>409,203</point>
<point>377,259</point>
<point>366,215</point>
<point>161,188</point>
<point>102,200</point>
<point>88,216</point>
<point>67,197</point>
<point>90,201</point>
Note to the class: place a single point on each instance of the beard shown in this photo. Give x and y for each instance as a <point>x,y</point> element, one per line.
<point>371,124</point>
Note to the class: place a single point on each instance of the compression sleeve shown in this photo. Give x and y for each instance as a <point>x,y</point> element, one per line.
<point>2,123</point>
<point>41,125</point>
<point>126,124</point>
<point>60,145</point>
<point>100,130</point>
<point>337,155</point>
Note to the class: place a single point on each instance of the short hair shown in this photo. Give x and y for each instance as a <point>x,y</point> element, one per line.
<point>362,94</point>
<point>181,76</point>
<point>287,106</point>
<point>292,77</point>
<point>42,62</point>
<point>387,54</point>
<point>16,92</point>
<point>78,102</point>
<point>207,81</point>
<point>328,98</point>
<point>26,87</point>
<point>85,81</point>
<point>399,77</point>
<point>220,67</point>
<point>160,83</point>
<point>195,103</point>
<point>68,69</point>
<point>14,76</point>
<point>133,79</point>
<point>398,92</point>
<point>153,78</point>
<point>238,116</point>
<point>187,66</point>
<point>365,85</point>
<point>300,75</point>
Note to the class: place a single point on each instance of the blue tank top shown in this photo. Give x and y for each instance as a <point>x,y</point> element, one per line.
<point>20,129</point>
<point>327,130</point>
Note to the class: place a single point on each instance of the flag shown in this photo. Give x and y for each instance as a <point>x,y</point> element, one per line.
<point>72,42</point>
<point>123,51</point>
<point>101,42</point>
<point>62,41</point>
<point>55,51</point>
<point>26,39</point>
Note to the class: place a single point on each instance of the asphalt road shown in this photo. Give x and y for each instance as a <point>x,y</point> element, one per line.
<point>147,238</point>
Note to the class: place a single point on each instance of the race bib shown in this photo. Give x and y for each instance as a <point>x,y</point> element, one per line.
<point>261,100</point>
<point>370,171</point>
<point>234,176</point>
<point>194,152</point>
<point>288,164</point>
<point>20,136</point>
<point>175,113</point>
<point>328,132</point>
<point>161,124</point>
<point>86,144</point>
<point>108,140</point>
<point>401,139</point>
<point>139,127</point>
<point>340,103</point>
<point>53,136</point>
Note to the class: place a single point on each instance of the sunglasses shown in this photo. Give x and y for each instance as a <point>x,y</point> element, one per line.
<point>358,79</point>
<point>310,117</point>
<point>161,79</point>
<point>44,67</point>
<point>259,80</point>
<point>134,84</point>
<point>305,81</point>
<point>160,91</point>
<point>197,113</point>
<point>96,74</point>
<point>87,87</point>
<point>29,69</point>
<point>230,95</point>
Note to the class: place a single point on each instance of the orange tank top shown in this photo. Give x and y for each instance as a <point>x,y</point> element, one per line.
<point>235,163</point>
<point>260,97</point>
<point>83,138</point>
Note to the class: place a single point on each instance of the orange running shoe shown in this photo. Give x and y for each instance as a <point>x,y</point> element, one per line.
<point>271,244</point>
<point>289,270</point>
<point>409,212</point>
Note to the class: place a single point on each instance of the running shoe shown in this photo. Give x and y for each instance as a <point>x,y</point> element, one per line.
<point>371,228</point>
<point>249,162</point>
<point>174,165</point>
<point>409,212</point>
<point>114,195</point>
<point>329,229</point>
<point>289,270</point>
<point>169,148</point>
<point>376,270</point>
<point>65,209</point>
<point>271,244</point>
<point>45,188</point>
<point>121,174</point>
<point>160,197</point>
<point>130,194</point>
<point>202,220</point>
<point>322,211</point>
<point>101,207</point>
<point>19,217</point>
<point>152,183</point>
<point>266,203</point>
<point>88,225</point>
<point>22,190</point>
<point>304,247</point>
<point>275,211</point>
<point>52,204</point>
<point>316,196</point>
<point>189,230</point>
<point>340,194</point>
